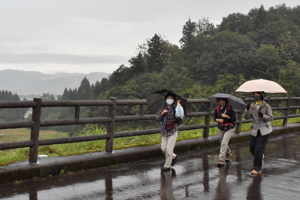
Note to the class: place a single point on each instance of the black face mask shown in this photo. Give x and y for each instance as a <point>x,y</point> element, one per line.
<point>256,98</point>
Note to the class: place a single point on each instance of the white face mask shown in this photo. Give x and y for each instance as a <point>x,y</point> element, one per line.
<point>169,101</point>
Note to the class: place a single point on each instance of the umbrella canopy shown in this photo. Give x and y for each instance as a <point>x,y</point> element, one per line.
<point>157,99</point>
<point>261,85</point>
<point>236,103</point>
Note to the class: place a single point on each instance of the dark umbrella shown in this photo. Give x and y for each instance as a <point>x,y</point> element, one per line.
<point>157,99</point>
<point>236,103</point>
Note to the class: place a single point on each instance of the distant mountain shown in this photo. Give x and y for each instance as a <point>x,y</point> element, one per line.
<point>27,83</point>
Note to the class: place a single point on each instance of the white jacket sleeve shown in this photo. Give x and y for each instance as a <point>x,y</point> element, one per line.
<point>179,112</point>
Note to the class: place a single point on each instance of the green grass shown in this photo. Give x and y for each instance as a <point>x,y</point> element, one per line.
<point>22,134</point>
<point>21,154</point>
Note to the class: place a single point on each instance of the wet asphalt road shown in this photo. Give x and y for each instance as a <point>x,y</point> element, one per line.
<point>195,176</point>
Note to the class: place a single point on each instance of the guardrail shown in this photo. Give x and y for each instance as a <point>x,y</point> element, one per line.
<point>112,118</point>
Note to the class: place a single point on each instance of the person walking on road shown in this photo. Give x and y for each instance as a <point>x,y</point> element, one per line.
<point>225,116</point>
<point>261,113</point>
<point>170,115</point>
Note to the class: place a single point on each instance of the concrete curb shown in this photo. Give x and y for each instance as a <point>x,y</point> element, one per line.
<point>55,165</point>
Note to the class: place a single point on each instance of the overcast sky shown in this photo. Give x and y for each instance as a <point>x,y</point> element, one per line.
<point>98,35</point>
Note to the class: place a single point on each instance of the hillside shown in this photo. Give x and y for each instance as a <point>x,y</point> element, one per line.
<point>26,83</point>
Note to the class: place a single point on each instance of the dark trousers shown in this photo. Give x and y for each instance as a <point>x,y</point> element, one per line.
<point>257,148</point>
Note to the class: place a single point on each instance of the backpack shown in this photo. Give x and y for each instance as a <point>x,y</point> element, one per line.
<point>228,108</point>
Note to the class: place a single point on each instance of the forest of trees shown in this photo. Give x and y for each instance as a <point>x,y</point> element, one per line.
<point>10,114</point>
<point>214,58</point>
<point>211,58</point>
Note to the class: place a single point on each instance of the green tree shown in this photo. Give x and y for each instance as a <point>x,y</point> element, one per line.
<point>66,95</point>
<point>295,15</point>
<point>289,78</point>
<point>73,94</point>
<point>266,63</point>
<point>120,76</point>
<point>270,33</point>
<point>155,53</point>
<point>287,13</point>
<point>228,83</point>
<point>158,53</point>
<point>84,90</point>
<point>260,19</point>
<point>205,27</point>
<point>11,114</point>
<point>96,89</point>
<point>176,78</point>
<point>48,97</point>
<point>49,112</point>
<point>287,47</point>
<point>147,83</point>
<point>236,22</point>
<point>223,53</point>
<point>188,32</point>
<point>138,64</point>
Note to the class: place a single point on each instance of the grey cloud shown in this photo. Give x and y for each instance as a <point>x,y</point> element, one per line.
<point>60,58</point>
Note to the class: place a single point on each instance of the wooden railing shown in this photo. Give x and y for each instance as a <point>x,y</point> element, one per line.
<point>37,105</point>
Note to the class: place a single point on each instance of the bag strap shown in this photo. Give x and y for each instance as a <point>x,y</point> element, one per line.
<point>218,109</point>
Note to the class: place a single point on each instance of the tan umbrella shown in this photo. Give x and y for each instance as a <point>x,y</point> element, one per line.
<point>261,85</point>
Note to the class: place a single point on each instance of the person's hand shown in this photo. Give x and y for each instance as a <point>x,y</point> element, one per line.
<point>220,120</point>
<point>163,112</point>
<point>260,115</point>
<point>248,106</point>
<point>224,115</point>
<point>178,103</point>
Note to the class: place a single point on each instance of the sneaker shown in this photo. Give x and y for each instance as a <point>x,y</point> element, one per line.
<point>254,172</point>
<point>228,157</point>
<point>263,160</point>
<point>221,163</point>
<point>174,160</point>
<point>165,169</point>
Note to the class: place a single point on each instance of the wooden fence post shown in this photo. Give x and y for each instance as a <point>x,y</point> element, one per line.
<point>240,118</point>
<point>188,108</point>
<point>141,109</point>
<point>77,112</point>
<point>35,131</point>
<point>207,120</point>
<point>111,126</point>
<point>285,120</point>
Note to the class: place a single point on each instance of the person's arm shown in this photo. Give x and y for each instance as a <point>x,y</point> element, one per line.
<point>231,118</point>
<point>159,115</point>
<point>216,118</point>
<point>269,115</point>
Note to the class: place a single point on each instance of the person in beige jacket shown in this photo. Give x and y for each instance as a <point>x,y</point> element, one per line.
<point>261,113</point>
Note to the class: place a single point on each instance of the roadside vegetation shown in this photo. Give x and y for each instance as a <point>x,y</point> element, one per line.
<point>21,154</point>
